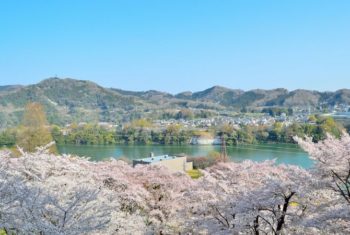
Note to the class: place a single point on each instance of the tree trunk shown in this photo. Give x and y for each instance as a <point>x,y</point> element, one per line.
<point>256,226</point>
<point>281,219</point>
<point>7,232</point>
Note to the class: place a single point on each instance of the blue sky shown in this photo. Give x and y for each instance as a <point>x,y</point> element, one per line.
<point>178,45</point>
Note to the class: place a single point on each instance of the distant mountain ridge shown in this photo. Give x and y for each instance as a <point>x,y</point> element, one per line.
<point>69,100</point>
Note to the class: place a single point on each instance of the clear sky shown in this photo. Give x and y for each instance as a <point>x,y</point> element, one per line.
<point>178,45</point>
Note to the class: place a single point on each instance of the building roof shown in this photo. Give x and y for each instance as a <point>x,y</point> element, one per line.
<point>156,159</point>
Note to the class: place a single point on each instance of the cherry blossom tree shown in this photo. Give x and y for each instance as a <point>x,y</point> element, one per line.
<point>248,196</point>
<point>71,195</point>
<point>276,207</point>
<point>12,193</point>
<point>49,195</point>
<point>330,207</point>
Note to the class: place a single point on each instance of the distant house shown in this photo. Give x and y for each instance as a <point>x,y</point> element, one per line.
<point>174,163</point>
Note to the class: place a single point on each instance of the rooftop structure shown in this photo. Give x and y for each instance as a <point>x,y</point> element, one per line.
<point>174,163</point>
<point>153,159</point>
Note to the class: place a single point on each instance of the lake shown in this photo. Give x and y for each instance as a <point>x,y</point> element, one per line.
<point>341,115</point>
<point>283,153</point>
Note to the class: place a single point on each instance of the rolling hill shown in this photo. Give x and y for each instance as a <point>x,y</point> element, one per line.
<point>69,100</point>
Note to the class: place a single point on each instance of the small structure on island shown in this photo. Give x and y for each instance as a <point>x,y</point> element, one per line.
<point>174,163</point>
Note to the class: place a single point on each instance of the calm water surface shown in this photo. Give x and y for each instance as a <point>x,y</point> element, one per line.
<point>283,153</point>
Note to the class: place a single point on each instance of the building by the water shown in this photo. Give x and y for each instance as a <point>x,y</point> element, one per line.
<point>174,163</point>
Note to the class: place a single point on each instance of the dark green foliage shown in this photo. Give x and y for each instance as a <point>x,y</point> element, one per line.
<point>93,134</point>
<point>57,135</point>
<point>279,133</point>
<point>277,111</point>
<point>173,135</point>
<point>86,134</point>
<point>8,137</point>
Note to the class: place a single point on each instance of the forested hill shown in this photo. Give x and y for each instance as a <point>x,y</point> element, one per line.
<point>68,100</point>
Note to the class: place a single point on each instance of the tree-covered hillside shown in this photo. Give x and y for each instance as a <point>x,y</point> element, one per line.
<point>69,100</point>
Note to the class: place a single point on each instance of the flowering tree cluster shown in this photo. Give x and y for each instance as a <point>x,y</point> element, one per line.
<point>46,194</point>
<point>330,208</point>
<point>248,197</point>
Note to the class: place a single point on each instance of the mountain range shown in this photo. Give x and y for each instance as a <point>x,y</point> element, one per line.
<point>69,100</point>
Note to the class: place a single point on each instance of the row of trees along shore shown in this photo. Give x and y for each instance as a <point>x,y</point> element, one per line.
<point>35,127</point>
